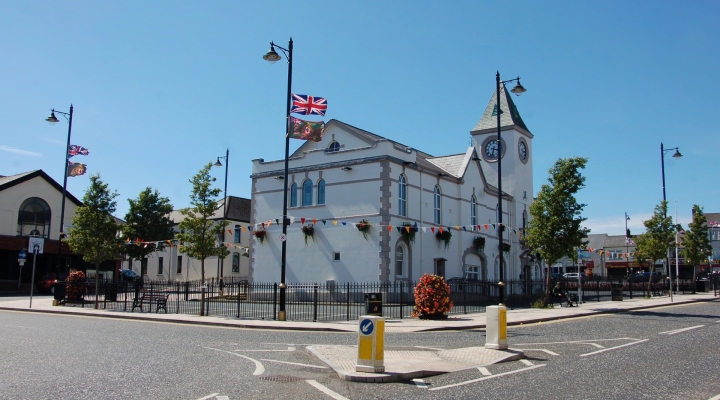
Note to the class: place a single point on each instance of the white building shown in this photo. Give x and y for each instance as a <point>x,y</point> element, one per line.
<point>353,175</point>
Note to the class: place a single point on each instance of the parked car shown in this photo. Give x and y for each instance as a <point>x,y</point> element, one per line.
<point>645,276</point>
<point>573,276</point>
<point>46,284</point>
<point>128,275</point>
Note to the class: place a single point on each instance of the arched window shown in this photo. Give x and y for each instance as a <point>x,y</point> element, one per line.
<point>437,204</point>
<point>293,195</point>
<point>237,233</point>
<point>473,212</point>
<point>34,218</point>
<point>236,262</point>
<point>333,147</point>
<point>307,192</point>
<point>321,191</point>
<point>402,196</point>
<point>400,265</point>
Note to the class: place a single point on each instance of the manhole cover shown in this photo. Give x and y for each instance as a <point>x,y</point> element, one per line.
<point>281,378</point>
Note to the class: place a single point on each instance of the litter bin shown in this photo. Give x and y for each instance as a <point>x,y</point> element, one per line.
<point>111,292</point>
<point>59,291</point>
<point>702,286</point>
<point>616,292</point>
<point>373,304</point>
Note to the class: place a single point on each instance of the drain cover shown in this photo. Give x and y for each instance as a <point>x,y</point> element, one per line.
<point>281,378</point>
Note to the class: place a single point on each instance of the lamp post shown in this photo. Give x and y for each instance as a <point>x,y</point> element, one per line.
<point>222,238</point>
<point>518,90</point>
<point>272,56</point>
<point>627,245</point>
<point>52,119</point>
<point>677,154</point>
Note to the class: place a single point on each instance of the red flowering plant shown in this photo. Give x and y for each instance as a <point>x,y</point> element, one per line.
<point>432,298</point>
<point>76,287</point>
<point>260,235</point>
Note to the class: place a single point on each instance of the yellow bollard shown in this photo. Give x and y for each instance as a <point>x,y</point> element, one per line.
<point>371,344</point>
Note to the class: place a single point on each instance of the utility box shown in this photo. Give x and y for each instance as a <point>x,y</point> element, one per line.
<point>616,292</point>
<point>371,344</point>
<point>373,304</point>
<point>496,328</point>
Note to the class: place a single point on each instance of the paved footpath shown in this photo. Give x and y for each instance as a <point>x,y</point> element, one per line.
<point>400,363</point>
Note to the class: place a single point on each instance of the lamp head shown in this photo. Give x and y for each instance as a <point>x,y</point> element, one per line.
<point>52,119</point>
<point>677,154</point>
<point>518,89</point>
<point>272,56</point>
<point>218,163</point>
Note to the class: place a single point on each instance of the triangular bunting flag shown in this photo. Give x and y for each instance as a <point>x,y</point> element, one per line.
<point>486,227</point>
<point>323,221</point>
<point>407,228</point>
<point>314,220</point>
<point>334,222</point>
<point>389,228</point>
<point>432,229</point>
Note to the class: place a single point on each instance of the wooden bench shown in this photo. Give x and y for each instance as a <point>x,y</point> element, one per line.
<point>157,299</point>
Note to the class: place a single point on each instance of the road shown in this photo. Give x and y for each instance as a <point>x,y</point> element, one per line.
<point>669,353</point>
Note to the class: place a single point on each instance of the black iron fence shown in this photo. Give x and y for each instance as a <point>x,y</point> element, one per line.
<point>330,301</point>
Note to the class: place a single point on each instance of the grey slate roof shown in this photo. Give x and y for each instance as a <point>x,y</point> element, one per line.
<point>489,121</point>
<point>616,241</point>
<point>452,164</point>
<point>597,241</point>
<point>238,209</point>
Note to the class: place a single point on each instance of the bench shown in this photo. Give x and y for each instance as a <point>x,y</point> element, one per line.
<point>157,299</point>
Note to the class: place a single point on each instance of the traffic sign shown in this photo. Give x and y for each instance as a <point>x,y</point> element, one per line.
<point>36,245</point>
<point>22,255</point>
<point>283,237</point>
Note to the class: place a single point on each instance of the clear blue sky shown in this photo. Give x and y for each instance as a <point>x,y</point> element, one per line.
<point>160,88</point>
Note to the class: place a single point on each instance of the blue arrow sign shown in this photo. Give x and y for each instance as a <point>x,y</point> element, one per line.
<point>22,255</point>
<point>366,327</point>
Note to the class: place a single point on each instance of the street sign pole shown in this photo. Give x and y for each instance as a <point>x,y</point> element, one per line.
<point>21,260</point>
<point>32,280</point>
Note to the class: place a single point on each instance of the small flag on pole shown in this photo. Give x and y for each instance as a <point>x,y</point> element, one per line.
<point>75,150</point>
<point>306,130</point>
<point>76,169</point>
<point>308,105</point>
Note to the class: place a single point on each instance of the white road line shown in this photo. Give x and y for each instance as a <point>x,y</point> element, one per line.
<point>576,341</point>
<point>716,397</point>
<point>488,377</point>
<point>484,371</point>
<point>209,396</point>
<point>259,369</point>
<point>613,348</point>
<point>552,353</point>
<point>222,398</point>
<point>420,383</point>
<point>596,345</point>
<point>325,390</point>
<point>680,330</point>
<point>292,363</point>
<point>290,348</point>
<point>527,362</point>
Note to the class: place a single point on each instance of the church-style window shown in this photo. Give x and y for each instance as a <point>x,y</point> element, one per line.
<point>293,195</point>
<point>34,218</point>
<point>307,192</point>
<point>333,147</point>
<point>321,191</point>
<point>437,205</point>
<point>402,196</point>
<point>473,212</point>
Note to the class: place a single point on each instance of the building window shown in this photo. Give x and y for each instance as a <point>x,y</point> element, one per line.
<point>440,267</point>
<point>336,256</point>
<point>333,147</point>
<point>524,221</point>
<point>34,218</point>
<point>237,233</point>
<point>160,266</point>
<point>473,212</point>
<point>307,192</point>
<point>293,195</point>
<point>473,272</point>
<point>143,266</point>
<point>179,265</point>
<point>236,262</point>
<point>400,261</point>
<point>437,205</point>
<point>321,191</point>
<point>402,196</point>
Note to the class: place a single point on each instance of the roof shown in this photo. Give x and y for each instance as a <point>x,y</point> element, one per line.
<point>616,241</point>
<point>453,164</point>
<point>238,210</point>
<point>13,180</point>
<point>489,117</point>
<point>597,241</point>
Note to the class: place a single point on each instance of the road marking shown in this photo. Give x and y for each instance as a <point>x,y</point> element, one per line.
<point>680,330</point>
<point>292,363</point>
<point>420,383</point>
<point>429,348</point>
<point>290,348</point>
<point>576,341</point>
<point>613,348</point>
<point>222,398</point>
<point>209,397</point>
<point>552,353</point>
<point>259,369</point>
<point>527,362</point>
<point>325,390</point>
<point>596,345</point>
<point>716,397</point>
<point>488,377</point>
<point>484,371</point>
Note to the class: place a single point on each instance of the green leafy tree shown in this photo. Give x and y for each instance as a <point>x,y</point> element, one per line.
<point>147,219</point>
<point>198,231</point>
<point>94,232</point>
<point>555,230</point>
<point>658,237</point>
<point>696,244</point>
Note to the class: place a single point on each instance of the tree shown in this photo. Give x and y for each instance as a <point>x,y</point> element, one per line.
<point>554,230</point>
<point>658,237</point>
<point>696,244</point>
<point>94,232</point>
<point>198,231</point>
<point>147,219</point>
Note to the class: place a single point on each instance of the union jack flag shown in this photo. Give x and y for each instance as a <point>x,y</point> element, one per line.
<point>74,150</point>
<point>307,105</point>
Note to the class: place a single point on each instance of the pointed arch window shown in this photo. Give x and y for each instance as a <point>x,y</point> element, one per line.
<point>34,218</point>
<point>307,192</point>
<point>402,196</point>
<point>437,205</point>
<point>473,212</point>
<point>293,195</point>
<point>321,191</point>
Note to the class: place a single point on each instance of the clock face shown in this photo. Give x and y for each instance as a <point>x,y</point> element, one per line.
<point>522,149</point>
<point>492,149</point>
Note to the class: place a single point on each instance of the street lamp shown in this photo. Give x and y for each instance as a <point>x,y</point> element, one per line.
<point>52,119</point>
<point>662,163</point>
<point>627,245</point>
<point>221,261</point>
<point>518,90</point>
<point>272,56</point>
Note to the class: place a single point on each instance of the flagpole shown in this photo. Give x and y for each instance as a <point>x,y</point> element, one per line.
<point>52,120</point>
